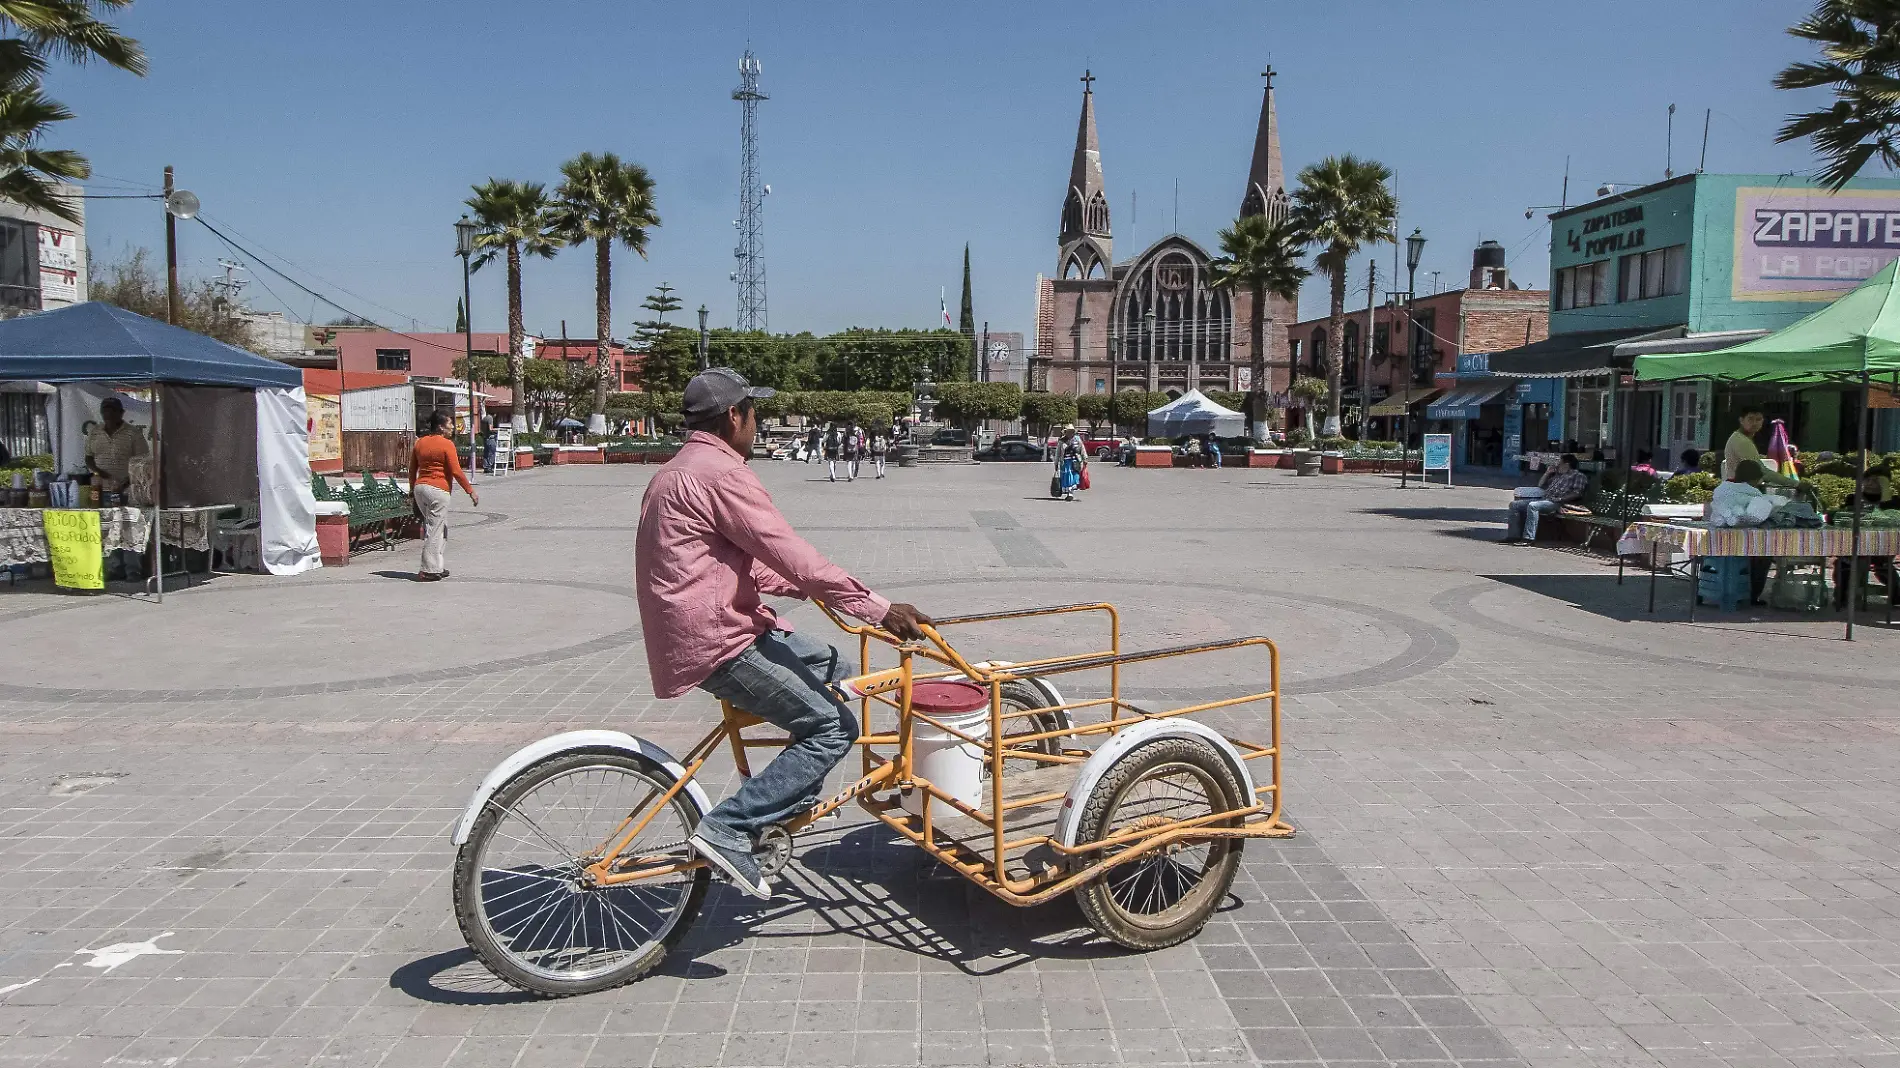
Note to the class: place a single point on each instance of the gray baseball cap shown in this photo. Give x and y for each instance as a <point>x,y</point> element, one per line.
<point>716,389</point>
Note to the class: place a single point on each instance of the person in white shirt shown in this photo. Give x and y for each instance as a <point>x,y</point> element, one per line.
<point>1740,502</point>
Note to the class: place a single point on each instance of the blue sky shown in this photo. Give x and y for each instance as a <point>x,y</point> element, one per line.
<point>340,137</point>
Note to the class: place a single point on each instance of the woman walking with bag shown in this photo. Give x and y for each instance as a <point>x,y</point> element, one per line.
<point>879,446</point>
<point>432,464</point>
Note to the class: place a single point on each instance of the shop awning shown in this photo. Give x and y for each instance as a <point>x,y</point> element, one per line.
<point>1581,354</point>
<point>1400,403</point>
<point>1464,403</point>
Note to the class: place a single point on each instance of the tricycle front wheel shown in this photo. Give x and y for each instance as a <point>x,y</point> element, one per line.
<point>1165,897</point>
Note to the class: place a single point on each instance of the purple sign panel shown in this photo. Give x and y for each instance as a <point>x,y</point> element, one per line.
<point>1809,244</point>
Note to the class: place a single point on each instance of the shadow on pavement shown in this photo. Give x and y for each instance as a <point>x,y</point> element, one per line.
<point>454,978</point>
<point>1600,595</point>
<point>1446,514</point>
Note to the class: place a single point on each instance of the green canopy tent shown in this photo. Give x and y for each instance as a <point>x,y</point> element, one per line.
<point>1849,343</point>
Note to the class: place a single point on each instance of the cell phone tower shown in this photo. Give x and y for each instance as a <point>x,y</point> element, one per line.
<point>750,253</point>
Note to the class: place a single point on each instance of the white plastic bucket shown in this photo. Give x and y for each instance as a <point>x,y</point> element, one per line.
<point>952,765</point>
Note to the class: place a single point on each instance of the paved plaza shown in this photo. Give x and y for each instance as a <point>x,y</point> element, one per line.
<point>1538,825</point>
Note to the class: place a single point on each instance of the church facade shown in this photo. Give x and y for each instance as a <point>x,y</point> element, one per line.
<point>1153,322</point>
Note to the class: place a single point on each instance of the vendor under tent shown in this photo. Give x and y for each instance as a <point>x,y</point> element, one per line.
<point>1193,413</point>
<point>229,427</point>
<point>1850,344</point>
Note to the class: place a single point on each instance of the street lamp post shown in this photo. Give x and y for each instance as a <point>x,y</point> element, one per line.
<point>465,247</point>
<point>703,364</point>
<point>1414,251</point>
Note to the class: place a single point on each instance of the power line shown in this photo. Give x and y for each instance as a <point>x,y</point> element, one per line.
<point>326,281</point>
<point>266,264</point>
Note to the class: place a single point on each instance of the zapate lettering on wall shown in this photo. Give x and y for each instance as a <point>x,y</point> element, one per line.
<point>1807,244</point>
<point>1627,234</point>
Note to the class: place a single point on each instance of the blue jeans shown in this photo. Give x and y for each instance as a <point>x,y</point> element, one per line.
<point>782,679</point>
<point>1526,514</point>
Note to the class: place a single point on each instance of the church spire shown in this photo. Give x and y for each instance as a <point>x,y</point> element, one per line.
<point>1085,234</point>
<point>1266,178</point>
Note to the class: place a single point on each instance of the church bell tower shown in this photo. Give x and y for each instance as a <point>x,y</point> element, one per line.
<point>1086,243</point>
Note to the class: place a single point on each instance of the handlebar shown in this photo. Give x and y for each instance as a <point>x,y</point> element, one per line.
<point>931,635</point>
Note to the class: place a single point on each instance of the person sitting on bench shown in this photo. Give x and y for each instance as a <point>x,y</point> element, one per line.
<point>1561,485</point>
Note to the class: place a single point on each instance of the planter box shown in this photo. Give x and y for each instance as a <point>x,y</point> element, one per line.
<point>623,457</point>
<point>1332,463</point>
<point>524,459</point>
<point>1154,456</point>
<point>1263,457</point>
<point>1288,462</point>
<point>576,454</point>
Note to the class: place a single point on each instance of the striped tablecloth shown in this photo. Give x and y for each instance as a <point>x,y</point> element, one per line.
<point>1699,540</point>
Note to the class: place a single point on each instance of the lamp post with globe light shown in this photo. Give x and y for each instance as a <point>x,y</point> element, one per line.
<point>465,247</point>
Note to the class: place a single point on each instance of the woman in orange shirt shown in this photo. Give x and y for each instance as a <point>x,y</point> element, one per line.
<point>432,464</point>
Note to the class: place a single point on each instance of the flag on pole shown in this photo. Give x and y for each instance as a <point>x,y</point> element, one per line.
<point>944,303</point>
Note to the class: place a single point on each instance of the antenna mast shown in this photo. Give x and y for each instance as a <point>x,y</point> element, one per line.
<point>750,253</point>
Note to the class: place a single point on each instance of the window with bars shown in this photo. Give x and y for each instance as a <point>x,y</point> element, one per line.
<point>392,359</point>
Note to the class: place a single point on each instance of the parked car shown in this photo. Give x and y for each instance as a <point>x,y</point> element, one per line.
<point>1008,451</point>
<point>950,435</point>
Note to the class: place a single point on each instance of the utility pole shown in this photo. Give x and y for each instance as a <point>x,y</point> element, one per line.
<point>703,360</point>
<point>171,254</point>
<point>983,355</point>
<point>1365,353</point>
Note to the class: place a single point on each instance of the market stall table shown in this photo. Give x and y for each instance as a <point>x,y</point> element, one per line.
<point>23,530</point>
<point>1700,540</point>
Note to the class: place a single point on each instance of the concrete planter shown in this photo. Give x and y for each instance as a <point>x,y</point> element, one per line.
<point>576,454</point>
<point>624,457</point>
<point>1263,457</point>
<point>524,459</point>
<point>1289,460</point>
<point>1306,463</point>
<point>1332,463</point>
<point>1154,456</point>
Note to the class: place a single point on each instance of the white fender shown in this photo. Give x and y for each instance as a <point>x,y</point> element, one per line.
<point>572,741</point>
<point>1123,743</point>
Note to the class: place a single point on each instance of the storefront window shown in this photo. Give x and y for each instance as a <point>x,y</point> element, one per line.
<point>1584,286</point>
<point>1659,273</point>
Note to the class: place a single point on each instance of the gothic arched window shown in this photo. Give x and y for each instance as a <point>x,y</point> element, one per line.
<point>1098,214</point>
<point>1072,213</point>
<point>1316,352</point>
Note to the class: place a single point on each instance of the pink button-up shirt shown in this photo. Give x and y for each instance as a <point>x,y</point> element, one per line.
<point>710,544</point>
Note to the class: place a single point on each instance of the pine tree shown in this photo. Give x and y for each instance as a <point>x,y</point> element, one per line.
<point>666,357</point>
<point>966,320</point>
<point>461,316</point>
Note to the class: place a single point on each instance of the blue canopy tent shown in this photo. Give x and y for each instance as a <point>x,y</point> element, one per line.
<point>101,343</point>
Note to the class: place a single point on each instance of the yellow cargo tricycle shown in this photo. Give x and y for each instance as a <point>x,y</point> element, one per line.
<point>573,873</point>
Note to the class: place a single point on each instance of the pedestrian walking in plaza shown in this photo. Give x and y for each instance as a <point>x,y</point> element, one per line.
<point>880,445</point>
<point>852,451</point>
<point>814,438</point>
<point>832,445</point>
<point>710,547</point>
<point>488,444</point>
<point>433,463</point>
<point>1069,461</point>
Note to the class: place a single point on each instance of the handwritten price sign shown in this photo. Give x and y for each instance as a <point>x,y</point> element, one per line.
<point>77,550</point>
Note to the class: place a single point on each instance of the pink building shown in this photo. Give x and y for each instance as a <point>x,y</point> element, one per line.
<point>418,355</point>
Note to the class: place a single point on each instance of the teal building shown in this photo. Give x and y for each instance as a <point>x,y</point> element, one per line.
<point>1692,264</point>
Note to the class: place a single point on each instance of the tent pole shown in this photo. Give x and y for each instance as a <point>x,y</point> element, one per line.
<point>1860,476</point>
<point>158,483</point>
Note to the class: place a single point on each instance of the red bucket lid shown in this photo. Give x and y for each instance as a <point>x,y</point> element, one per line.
<point>948,697</point>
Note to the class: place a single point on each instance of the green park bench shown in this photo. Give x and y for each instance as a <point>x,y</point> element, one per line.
<point>1610,510</point>
<point>378,508</point>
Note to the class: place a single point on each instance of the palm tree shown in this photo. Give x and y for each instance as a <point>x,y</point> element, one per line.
<point>603,200</point>
<point>1860,61</point>
<point>1343,202</point>
<point>513,219</point>
<point>30,32</point>
<point>1262,255</point>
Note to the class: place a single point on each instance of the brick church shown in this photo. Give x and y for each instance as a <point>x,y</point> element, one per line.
<point>1154,322</point>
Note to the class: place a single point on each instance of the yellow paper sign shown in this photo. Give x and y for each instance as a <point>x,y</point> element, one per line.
<point>76,548</point>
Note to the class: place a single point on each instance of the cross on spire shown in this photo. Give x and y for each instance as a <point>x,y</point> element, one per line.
<point>1088,79</point>
<point>1268,75</point>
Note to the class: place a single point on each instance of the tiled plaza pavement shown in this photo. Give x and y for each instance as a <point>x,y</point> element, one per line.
<point>1538,826</point>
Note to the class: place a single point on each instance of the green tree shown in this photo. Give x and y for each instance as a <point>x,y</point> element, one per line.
<point>461,316</point>
<point>966,316</point>
<point>603,200</point>
<point>1261,256</point>
<point>135,283</point>
<point>1094,409</point>
<point>489,369</point>
<point>667,357</point>
<point>781,361</point>
<point>1343,203</point>
<point>512,220</point>
<point>543,388</point>
<point>33,32</point>
<point>1859,42</point>
<point>1131,408</point>
<point>968,403</point>
<point>1046,410</point>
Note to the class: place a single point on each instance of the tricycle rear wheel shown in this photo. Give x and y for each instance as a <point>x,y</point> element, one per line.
<point>1165,897</point>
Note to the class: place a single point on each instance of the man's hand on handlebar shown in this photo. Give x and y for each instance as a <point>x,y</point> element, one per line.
<point>905,621</point>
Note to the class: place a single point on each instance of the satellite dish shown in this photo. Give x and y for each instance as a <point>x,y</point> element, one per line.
<point>181,204</point>
<point>768,190</point>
